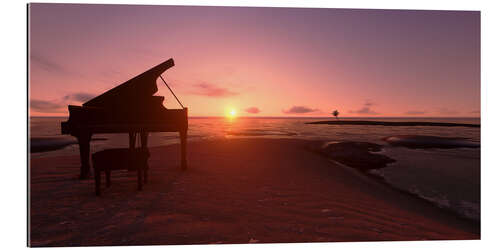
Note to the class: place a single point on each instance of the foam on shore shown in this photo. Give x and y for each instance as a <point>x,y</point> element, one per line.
<point>421,141</point>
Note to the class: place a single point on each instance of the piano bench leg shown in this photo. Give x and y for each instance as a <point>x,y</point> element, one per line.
<point>97,177</point>
<point>108,178</point>
<point>139,179</point>
<point>84,173</point>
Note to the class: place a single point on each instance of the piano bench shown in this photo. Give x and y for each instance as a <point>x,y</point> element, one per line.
<point>120,159</point>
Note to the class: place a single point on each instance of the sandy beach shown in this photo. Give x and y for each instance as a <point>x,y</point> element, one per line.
<point>234,191</point>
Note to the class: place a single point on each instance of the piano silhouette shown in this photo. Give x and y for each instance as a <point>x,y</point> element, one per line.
<point>128,108</point>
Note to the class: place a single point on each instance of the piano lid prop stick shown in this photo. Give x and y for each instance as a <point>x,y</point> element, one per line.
<point>172,92</point>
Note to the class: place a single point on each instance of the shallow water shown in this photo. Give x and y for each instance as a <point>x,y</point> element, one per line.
<point>450,178</point>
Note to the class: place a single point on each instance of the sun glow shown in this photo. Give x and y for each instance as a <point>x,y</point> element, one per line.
<point>231,113</point>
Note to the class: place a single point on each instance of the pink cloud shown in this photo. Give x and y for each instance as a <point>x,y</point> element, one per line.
<point>210,90</point>
<point>46,106</point>
<point>366,109</point>
<point>299,110</point>
<point>253,110</point>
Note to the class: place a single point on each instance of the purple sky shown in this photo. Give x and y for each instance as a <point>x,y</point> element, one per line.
<point>261,61</point>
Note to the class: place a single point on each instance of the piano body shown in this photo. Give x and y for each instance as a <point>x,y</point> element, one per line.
<point>128,108</point>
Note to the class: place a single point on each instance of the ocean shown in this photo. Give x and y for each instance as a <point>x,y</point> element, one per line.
<point>449,178</point>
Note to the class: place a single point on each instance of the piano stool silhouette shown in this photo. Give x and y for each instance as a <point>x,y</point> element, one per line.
<point>129,108</point>
<point>120,159</point>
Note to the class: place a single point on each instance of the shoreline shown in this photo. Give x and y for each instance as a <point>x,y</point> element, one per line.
<point>365,167</point>
<point>274,182</point>
<point>387,123</point>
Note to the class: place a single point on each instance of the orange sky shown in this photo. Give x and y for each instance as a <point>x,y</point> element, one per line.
<point>261,61</point>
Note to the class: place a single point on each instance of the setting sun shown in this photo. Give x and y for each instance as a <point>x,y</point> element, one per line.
<point>231,113</point>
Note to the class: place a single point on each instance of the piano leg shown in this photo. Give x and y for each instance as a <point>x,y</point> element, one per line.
<point>84,144</point>
<point>144,145</point>
<point>144,139</point>
<point>183,135</point>
<point>131,140</point>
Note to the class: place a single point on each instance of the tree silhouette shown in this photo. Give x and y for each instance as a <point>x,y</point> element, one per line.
<point>336,114</point>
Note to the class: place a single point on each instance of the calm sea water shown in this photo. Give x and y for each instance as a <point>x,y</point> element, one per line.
<point>450,178</point>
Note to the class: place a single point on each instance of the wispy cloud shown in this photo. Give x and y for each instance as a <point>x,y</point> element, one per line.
<point>369,103</point>
<point>211,90</point>
<point>59,105</point>
<point>79,96</point>
<point>46,106</point>
<point>300,110</point>
<point>366,109</point>
<point>415,112</point>
<point>253,110</point>
<point>46,64</point>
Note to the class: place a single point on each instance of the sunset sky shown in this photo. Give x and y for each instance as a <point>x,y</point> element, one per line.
<point>260,61</point>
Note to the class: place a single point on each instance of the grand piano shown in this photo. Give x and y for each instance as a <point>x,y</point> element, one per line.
<point>129,108</point>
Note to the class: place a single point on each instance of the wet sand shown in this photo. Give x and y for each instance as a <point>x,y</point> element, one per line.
<point>234,191</point>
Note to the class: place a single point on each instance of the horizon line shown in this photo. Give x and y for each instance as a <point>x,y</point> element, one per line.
<point>309,117</point>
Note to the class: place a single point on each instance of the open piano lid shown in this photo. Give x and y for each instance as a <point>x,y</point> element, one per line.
<point>142,85</point>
